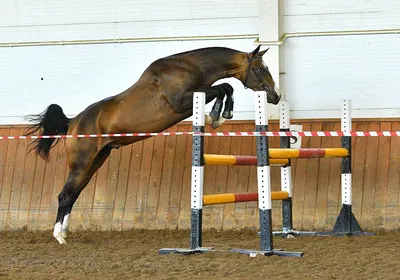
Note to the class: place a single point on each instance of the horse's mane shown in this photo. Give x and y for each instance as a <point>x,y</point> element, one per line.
<point>206,50</point>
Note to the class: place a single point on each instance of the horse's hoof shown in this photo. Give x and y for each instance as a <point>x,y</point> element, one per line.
<point>227,115</point>
<point>208,119</point>
<point>216,124</point>
<point>64,234</point>
<point>61,240</point>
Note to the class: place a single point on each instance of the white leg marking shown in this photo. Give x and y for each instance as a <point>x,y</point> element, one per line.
<point>208,119</point>
<point>64,226</point>
<point>57,233</point>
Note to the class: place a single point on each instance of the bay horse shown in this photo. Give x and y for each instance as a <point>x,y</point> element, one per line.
<point>160,98</point>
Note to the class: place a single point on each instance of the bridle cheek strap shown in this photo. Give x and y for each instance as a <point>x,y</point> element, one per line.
<point>257,74</point>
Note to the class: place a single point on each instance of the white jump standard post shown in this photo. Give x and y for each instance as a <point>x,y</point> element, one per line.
<point>286,178</point>
<point>346,223</point>
<point>264,185</point>
<point>286,171</point>
<point>199,101</point>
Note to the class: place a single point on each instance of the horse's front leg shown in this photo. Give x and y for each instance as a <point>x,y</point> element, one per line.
<point>183,103</point>
<point>220,91</point>
<point>228,108</point>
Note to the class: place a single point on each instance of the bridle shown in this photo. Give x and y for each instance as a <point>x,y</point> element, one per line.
<point>257,72</point>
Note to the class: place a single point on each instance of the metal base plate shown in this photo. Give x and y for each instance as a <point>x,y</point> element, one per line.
<point>321,233</point>
<point>294,233</point>
<point>278,252</point>
<point>185,251</point>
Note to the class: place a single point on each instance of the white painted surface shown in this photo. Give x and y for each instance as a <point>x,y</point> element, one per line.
<point>286,180</point>
<point>322,71</point>
<point>346,116</point>
<point>197,187</point>
<point>261,111</point>
<point>269,16</point>
<point>284,115</point>
<point>264,187</point>
<point>317,72</point>
<point>199,100</point>
<point>296,143</point>
<point>346,189</point>
<point>315,15</point>
<point>41,20</point>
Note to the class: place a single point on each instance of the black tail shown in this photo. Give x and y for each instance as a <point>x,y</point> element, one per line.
<point>51,121</point>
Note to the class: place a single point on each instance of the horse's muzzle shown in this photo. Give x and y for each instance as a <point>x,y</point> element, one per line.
<point>273,98</point>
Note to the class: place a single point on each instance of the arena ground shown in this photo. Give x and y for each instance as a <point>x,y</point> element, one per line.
<point>134,255</point>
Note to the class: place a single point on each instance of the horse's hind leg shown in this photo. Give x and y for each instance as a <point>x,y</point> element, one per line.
<point>228,108</point>
<point>81,171</point>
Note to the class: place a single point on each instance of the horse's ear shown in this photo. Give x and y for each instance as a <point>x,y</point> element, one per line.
<point>256,50</point>
<point>262,52</point>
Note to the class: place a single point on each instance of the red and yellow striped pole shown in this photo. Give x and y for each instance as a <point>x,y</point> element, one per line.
<point>277,156</point>
<point>238,160</point>
<point>213,199</point>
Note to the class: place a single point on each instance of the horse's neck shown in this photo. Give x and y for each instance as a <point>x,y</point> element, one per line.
<point>219,67</point>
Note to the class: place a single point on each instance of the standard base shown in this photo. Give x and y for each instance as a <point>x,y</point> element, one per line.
<point>346,224</point>
<point>294,233</point>
<point>184,251</point>
<point>321,233</point>
<point>251,253</point>
<point>346,221</point>
<point>278,252</point>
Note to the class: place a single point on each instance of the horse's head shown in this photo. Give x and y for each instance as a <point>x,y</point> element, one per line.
<point>258,77</point>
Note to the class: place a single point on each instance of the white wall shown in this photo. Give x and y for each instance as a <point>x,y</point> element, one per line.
<point>43,20</point>
<point>315,15</point>
<point>75,76</point>
<point>322,70</point>
<point>317,72</point>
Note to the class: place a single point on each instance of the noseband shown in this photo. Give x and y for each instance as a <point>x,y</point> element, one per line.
<point>257,72</point>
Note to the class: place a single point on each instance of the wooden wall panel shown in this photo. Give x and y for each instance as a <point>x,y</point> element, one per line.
<point>381,178</point>
<point>300,183</point>
<point>47,216</point>
<point>132,187</point>
<point>177,178</point>
<point>321,200</point>
<point>147,184</point>
<point>392,206</point>
<point>8,177</point>
<point>26,188</point>
<point>358,169</point>
<point>17,180</point>
<point>370,172</point>
<point>121,191</point>
<point>166,181</point>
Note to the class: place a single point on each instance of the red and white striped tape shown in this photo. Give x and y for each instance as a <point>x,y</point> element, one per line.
<point>268,133</point>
